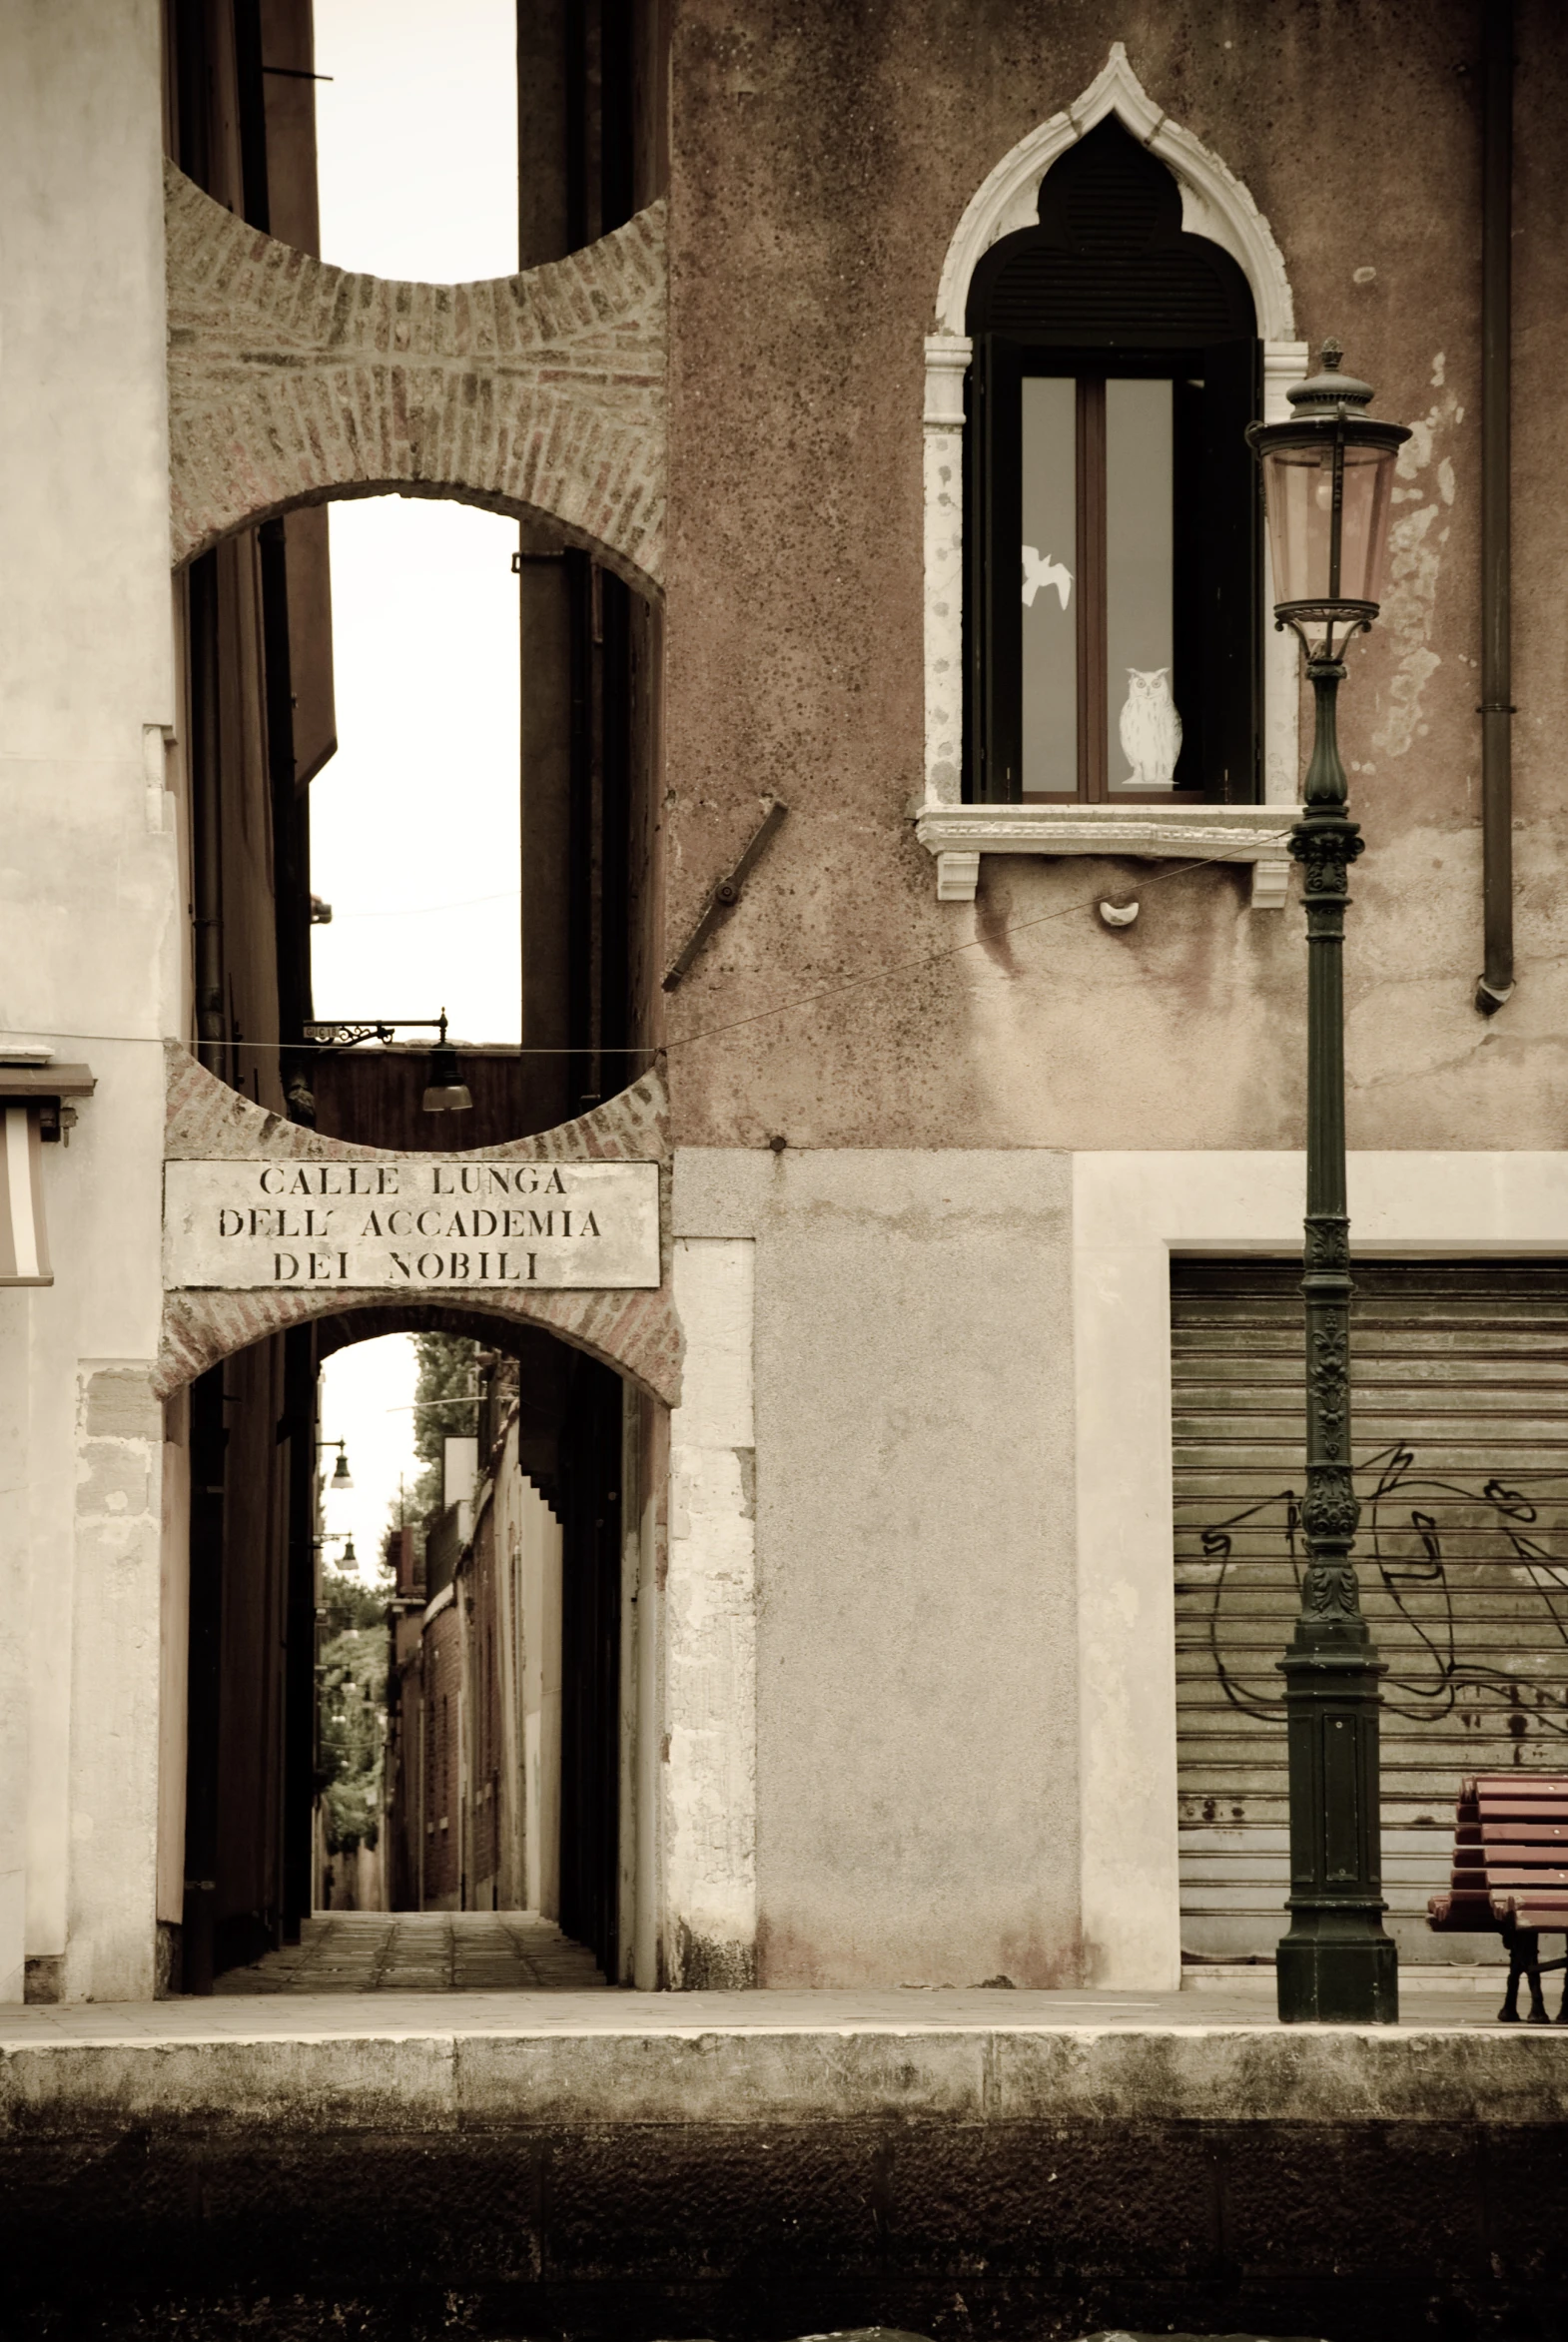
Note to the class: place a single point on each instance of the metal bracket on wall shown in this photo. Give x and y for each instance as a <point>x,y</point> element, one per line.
<point>725,894</point>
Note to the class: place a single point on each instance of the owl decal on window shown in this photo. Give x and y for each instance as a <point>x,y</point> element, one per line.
<point>1150,729</point>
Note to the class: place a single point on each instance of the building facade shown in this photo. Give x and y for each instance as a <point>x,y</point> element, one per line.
<point>474,1775</point>
<point>926,1529</point>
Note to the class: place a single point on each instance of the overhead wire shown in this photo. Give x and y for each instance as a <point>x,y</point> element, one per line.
<point>981,942</point>
<point>424,910</point>
<point>950,951</point>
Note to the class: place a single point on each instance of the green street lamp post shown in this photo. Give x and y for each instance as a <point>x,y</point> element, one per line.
<point>1328,488</point>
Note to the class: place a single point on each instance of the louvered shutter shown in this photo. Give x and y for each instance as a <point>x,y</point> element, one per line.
<point>1460,1410</point>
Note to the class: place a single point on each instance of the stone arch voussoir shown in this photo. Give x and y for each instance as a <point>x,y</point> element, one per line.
<point>293,382</point>
<point>634,1331</point>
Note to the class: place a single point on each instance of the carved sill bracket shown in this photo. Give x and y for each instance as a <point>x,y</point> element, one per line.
<point>958,835</point>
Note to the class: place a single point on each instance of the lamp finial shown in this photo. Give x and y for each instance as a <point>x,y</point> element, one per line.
<point>1329,387</point>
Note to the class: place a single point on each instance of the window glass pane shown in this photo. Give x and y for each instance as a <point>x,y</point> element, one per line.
<point>1050,649</point>
<point>1144,730</point>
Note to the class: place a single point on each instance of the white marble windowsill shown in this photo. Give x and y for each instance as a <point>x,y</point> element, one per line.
<point>959,834</point>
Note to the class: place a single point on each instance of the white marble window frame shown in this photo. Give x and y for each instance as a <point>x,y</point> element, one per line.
<point>1215,203</point>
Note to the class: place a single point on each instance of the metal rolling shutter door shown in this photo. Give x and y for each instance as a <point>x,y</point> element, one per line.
<point>1460,1417</point>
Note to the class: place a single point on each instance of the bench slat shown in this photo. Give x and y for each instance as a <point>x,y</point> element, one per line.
<point>1510,1867</point>
<point>1516,1785</point>
<point>1542,1862</point>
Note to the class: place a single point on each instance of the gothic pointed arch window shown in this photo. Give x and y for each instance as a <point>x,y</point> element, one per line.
<point>1114,529</point>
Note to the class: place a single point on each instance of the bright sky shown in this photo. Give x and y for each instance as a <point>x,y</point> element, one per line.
<point>414,823</point>
<point>367,1400</point>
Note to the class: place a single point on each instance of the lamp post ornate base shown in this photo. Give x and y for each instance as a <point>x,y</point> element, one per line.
<point>1336,1965</point>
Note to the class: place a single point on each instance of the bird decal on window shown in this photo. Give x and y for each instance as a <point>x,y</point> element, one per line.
<point>1038,572</point>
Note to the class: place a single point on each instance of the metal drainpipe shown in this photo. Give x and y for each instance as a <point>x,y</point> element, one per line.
<point>1496,982</point>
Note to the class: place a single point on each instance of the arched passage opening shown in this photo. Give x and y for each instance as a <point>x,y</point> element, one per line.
<point>501,865</point>
<point>504,1695</point>
<point>538,397</point>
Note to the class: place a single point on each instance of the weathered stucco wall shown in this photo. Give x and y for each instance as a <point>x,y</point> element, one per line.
<point>88,877</point>
<point>916,1711</point>
<point>822,158</point>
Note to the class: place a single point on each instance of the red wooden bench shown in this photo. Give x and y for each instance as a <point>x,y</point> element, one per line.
<point>1510,1876</point>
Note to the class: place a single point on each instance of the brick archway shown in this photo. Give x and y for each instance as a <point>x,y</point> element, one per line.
<point>634,1331</point>
<point>345,1327</point>
<point>293,382</point>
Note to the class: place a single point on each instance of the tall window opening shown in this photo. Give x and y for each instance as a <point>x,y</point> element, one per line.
<point>1114,525</point>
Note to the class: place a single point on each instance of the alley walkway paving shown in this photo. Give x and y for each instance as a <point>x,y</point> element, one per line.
<point>420,1951</point>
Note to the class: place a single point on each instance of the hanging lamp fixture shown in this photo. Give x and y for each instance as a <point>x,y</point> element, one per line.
<point>342,1478</point>
<point>446,1091</point>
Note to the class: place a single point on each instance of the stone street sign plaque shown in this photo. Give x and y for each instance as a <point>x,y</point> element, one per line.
<point>416,1226</point>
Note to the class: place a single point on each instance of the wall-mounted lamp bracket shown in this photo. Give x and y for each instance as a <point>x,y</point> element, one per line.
<point>346,1032</point>
<point>46,1087</point>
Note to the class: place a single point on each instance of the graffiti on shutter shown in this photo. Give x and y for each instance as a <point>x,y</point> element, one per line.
<point>1461,1427</point>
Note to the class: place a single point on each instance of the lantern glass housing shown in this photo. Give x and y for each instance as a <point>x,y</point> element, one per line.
<point>1329,477</point>
<point>1299,489</point>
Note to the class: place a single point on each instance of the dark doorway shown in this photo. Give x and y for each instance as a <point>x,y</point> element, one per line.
<point>501,1683</point>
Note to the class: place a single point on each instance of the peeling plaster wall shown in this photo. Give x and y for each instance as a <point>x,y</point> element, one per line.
<point>1423,500</point>
<point>820,160</point>
<point>709,1743</point>
<point>880,1092</point>
<point>116,1665</point>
